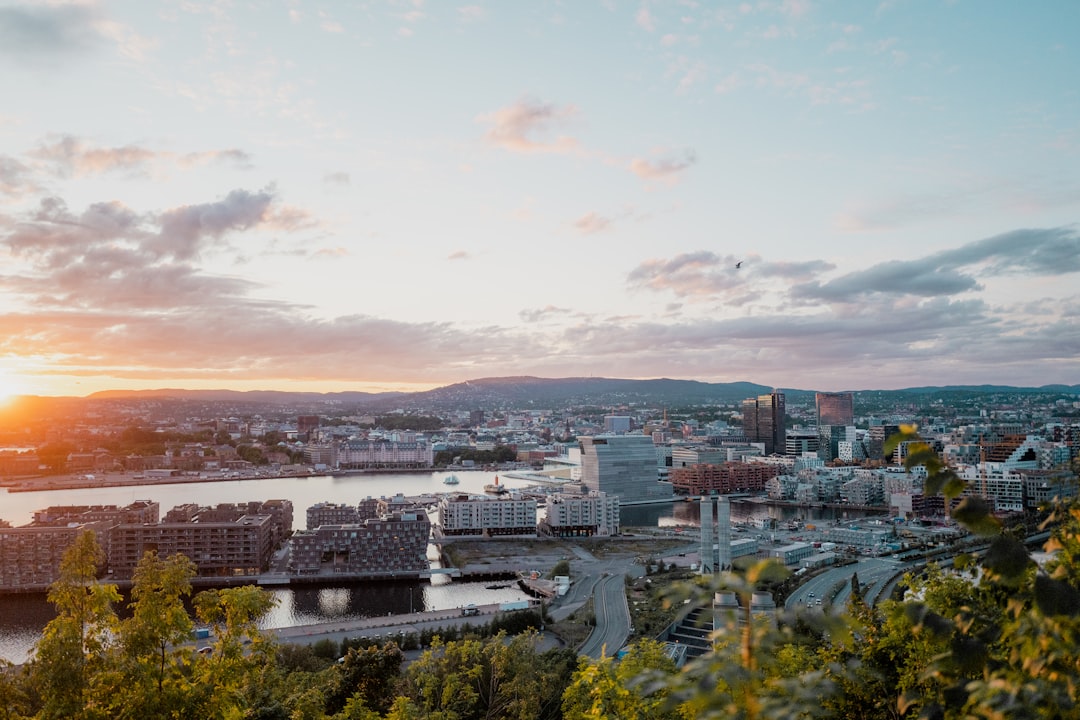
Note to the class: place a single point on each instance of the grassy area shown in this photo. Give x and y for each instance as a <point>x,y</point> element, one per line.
<point>575,629</point>
<point>650,609</point>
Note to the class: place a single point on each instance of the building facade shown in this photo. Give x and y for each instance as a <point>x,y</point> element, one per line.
<point>479,516</point>
<point>389,547</point>
<point>582,515</point>
<point>764,419</point>
<point>723,479</point>
<point>624,466</point>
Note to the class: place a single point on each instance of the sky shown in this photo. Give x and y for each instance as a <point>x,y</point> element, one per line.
<point>400,195</point>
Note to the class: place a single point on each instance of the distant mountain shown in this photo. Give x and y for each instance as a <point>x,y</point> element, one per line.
<point>493,393</point>
<point>262,397</point>
<point>583,391</point>
<point>983,389</point>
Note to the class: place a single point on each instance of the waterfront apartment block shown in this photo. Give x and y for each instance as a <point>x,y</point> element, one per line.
<point>624,466</point>
<point>280,512</point>
<point>221,548</point>
<point>141,511</point>
<point>361,454</point>
<point>475,515</point>
<point>392,546</point>
<point>722,479</point>
<point>581,515</point>
<point>30,555</point>
<point>327,513</point>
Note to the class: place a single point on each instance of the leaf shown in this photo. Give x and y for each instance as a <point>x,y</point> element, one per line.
<point>970,654</point>
<point>954,486</point>
<point>1006,558</point>
<point>973,513</point>
<point>1054,597</point>
<point>922,454</point>
<point>907,433</point>
<point>767,571</point>
<point>922,618</point>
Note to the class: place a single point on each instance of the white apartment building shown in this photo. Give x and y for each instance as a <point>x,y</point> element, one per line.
<point>464,515</point>
<point>582,515</point>
<point>384,453</point>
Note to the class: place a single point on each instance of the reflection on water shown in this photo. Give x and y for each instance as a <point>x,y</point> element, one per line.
<point>688,514</point>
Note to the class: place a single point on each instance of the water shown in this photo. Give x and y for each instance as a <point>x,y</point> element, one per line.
<point>22,617</point>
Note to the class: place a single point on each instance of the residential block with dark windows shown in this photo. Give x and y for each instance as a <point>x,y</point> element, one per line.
<point>723,478</point>
<point>391,546</point>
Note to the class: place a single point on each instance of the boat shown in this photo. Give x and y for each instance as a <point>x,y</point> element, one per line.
<point>495,488</point>
<point>451,480</point>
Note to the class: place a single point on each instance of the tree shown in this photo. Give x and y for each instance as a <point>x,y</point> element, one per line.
<point>238,674</point>
<point>153,681</point>
<point>75,644</point>
<point>635,688</point>
<point>54,455</point>
<point>497,678</point>
<point>366,675</point>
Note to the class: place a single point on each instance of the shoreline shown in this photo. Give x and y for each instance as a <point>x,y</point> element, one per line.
<point>46,483</point>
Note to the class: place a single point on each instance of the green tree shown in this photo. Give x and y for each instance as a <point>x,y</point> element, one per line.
<point>154,678</point>
<point>471,679</point>
<point>14,702</point>
<point>634,688</point>
<point>367,675</point>
<point>239,675</point>
<point>54,455</point>
<point>75,644</point>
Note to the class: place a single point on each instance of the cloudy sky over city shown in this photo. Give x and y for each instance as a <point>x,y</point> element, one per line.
<point>399,195</point>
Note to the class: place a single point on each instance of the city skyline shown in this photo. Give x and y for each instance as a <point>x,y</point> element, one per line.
<point>405,195</point>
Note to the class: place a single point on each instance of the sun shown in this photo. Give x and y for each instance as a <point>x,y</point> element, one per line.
<point>10,386</point>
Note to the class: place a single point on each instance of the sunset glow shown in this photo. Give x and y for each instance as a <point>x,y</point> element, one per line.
<point>399,196</point>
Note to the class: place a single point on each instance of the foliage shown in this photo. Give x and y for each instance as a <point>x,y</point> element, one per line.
<point>498,678</point>
<point>634,688</point>
<point>75,644</point>
<point>561,568</point>
<point>419,423</point>
<point>501,454</point>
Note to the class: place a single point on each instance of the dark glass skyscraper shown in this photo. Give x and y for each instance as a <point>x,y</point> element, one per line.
<point>764,421</point>
<point>835,411</point>
<point>835,408</point>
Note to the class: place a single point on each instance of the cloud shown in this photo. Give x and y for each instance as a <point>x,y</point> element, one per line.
<point>666,168</point>
<point>523,127</point>
<point>238,158</point>
<point>14,177</point>
<point>701,273</point>
<point>544,313</point>
<point>337,178</point>
<point>47,30</point>
<point>70,155</point>
<point>645,20</point>
<point>458,255</point>
<point>1040,252</point>
<point>188,229</point>
<point>592,223</point>
<point>471,13</point>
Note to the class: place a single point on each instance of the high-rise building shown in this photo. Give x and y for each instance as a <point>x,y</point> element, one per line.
<point>764,420</point>
<point>624,466</point>
<point>617,424</point>
<point>305,424</point>
<point>835,408</point>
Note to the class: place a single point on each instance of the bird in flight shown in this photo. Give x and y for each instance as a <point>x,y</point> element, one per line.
<point>738,264</point>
